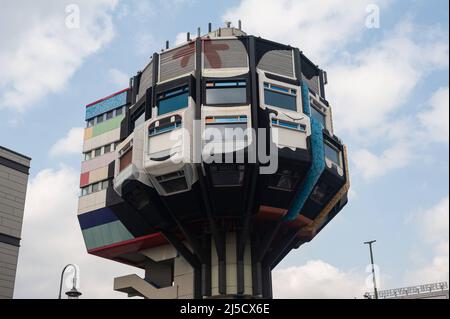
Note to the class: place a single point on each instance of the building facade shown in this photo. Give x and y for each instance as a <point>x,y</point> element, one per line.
<point>14,170</point>
<point>171,183</point>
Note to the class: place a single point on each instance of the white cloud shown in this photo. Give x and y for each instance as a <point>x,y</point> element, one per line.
<point>370,165</point>
<point>320,28</point>
<point>51,238</point>
<point>436,118</point>
<point>119,78</point>
<point>72,143</point>
<point>377,81</point>
<point>317,279</point>
<point>433,225</point>
<point>180,38</point>
<point>39,54</point>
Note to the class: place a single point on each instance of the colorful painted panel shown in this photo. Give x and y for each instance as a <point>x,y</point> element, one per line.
<point>96,218</point>
<point>107,104</point>
<point>98,162</point>
<point>106,234</point>
<point>107,126</point>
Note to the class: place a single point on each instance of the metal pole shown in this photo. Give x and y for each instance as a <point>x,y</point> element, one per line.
<point>373,267</point>
<point>62,275</point>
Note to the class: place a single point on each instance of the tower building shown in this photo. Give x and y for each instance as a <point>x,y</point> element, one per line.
<point>217,161</point>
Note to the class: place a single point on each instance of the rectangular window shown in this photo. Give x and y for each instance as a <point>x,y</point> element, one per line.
<point>91,122</point>
<point>99,119</point>
<point>109,115</point>
<point>332,154</point>
<point>95,187</point>
<point>107,148</point>
<point>139,121</point>
<point>173,100</point>
<point>87,156</point>
<point>105,184</point>
<point>281,97</point>
<point>126,159</point>
<point>227,175</point>
<point>226,92</point>
<point>119,111</point>
<point>289,125</point>
<point>318,116</point>
<point>97,152</point>
<point>225,128</point>
<point>85,191</point>
<point>285,180</point>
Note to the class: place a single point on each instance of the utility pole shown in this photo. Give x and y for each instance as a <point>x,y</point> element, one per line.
<point>373,267</point>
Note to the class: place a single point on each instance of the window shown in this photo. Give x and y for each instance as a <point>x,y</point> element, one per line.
<point>227,175</point>
<point>109,115</point>
<point>85,191</point>
<point>226,92</point>
<point>95,187</point>
<point>332,154</point>
<point>107,148</point>
<point>173,182</point>
<point>278,96</point>
<point>87,156</point>
<point>119,111</point>
<point>228,128</point>
<point>126,156</point>
<point>105,184</point>
<point>91,122</point>
<point>171,101</point>
<point>321,193</point>
<point>285,180</point>
<point>289,125</point>
<point>140,120</point>
<point>98,152</point>
<point>99,119</point>
<point>318,115</point>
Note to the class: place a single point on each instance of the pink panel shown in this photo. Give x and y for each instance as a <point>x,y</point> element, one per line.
<point>97,162</point>
<point>84,179</point>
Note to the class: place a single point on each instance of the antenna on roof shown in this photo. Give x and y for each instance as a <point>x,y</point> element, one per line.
<point>188,37</point>
<point>209,27</point>
<point>240,25</point>
<point>199,32</point>
<point>167,45</point>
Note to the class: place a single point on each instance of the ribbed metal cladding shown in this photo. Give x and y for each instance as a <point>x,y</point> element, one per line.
<point>279,62</point>
<point>178,62</point>
<point>311,76</point>
<point>146,79</point>
<point>223,54</point>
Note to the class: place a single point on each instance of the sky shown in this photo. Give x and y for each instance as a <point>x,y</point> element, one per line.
<point>387,64</point>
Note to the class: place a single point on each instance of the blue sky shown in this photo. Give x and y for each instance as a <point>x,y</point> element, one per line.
<point>388,89</point>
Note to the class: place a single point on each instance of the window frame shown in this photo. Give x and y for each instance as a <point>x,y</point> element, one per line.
<point>281,90</point>
<point>174,92</point>
<point>221,86</point>
<point>335,149</point>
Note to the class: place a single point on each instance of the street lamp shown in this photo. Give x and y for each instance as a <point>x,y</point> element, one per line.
<point>373,267</point>
<point>72,293</point>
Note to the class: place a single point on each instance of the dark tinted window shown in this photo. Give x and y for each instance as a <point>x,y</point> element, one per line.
<point>278,96</point>
<point>173,100</point>
<point>332,154</point>
<point>227,175</point>
<point>229,92</point>
<point>318,116</point>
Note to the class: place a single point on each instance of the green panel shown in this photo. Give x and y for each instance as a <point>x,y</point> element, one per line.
<point>107,126</point>
<point>106,234</point>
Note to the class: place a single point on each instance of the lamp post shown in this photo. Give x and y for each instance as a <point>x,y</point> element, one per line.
<point>72,293</point>
<point>373,267</point>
